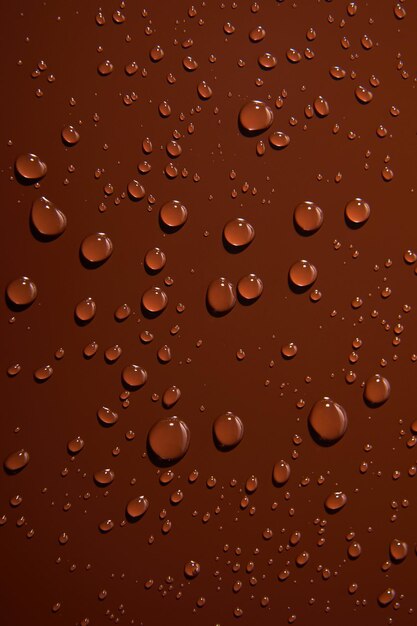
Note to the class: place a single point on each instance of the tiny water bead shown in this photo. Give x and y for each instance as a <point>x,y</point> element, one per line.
<point>221,296</point>
<point>308,216</point>
<point>46,218</point>
<point>154,300</point>
<point>16,461</point>
<point>22,291</point>
<point>255,116</point>
<point>173,214</point>
<point>302,274</point>
<point>238,233</point>
<point>30,167</point>
<point>327,421</point>
<point>96,248</point>
<point>134,376</point>
<point>357,212</point>
<point>227,431</point>
<point>169,439</point>
<point>281,473</point>
<point>377,390</point>
<point>155,259</point>
<point>335,501</point>
<point>137,507</point>
<point>85,310</point>
<point>250,287</point>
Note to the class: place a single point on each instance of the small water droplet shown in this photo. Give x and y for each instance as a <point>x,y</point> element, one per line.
<point>357,212</point>
<point>46,218</point>
<point>335,501</point>
<point>96,248</point>
<point>137,507</point>
<point>377,390</point>
<point>16,461</point>
<point>281,472</point>
<point>227,431</point>
<point>22,291</point>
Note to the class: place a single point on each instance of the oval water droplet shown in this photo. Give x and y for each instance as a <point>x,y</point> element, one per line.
<point>327,421</point>
<point>191,569</point>
<point>30,167</point>
<point>171,396</point>
<point>169,439</point>
<point>16,461</point>
<point>106,416</point>
<point>321,106</point>
<point>279,140</point>
<point>227,431</point>
<point>335,501</point>
<point>22,291</point>
<point>46,218</point>
<point>398,550</point>
<point>134,376</point>
<point>137,507</point>
<point>70,136</point>
<point>85,310</point>
<point>75,445</point>
<point>155,259</point>
<point>363,95</point>
<point>221,296</point>
<point>387,596</point>
<point>281,472</point>
<point>377,390</point>
<point>104,477</point>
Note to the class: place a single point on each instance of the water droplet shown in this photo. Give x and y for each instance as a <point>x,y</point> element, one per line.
<point>156,54</point>
<point>191,569</point>
<point>302,274</point>
<point>171,396</point>
<point>238,233</point>
<point>43,373</point>
<point>85,310</point>
<point>135,190</point>
<point>293,55</point>
<point>399,11</point>
<point>204,90</point>
<point>250,287</point>
<point>75,445</point>
<point>134,376</point>
<point>46,218</point>
<point>112,353</point>
<point>363,95</point>
<point>16,461</point>
<point>22,291</point>
<point>137,507</point>
<point>321,106</point>
<point>327,421</point>
<point>106,526</point>
<point>255,116</point>
<point>105,68</point>
<point>278,140</point>
<point>221,296</point>
<point>155,259</point>
<point>227,431</point>
<point>257,34</point>
<point>387,596</point>
<point>354,550</point>
<point>30,167</point>
<point>335,501</point>
<point>377,390</point>
<point>154,300</point>
<point>106,416</point>
<point>169,439</point>
<point>398,550</point>
<point>122,312</point>
<point>70,136</point>
<point>337,72</point>
<point>281,472</point>
<point>104,476</point>
<point>173,214</point>
<point>289,350</point>
<point>357,212</point>
<point>308,216</point>
<point>96,248</point>
<point>267,61</point>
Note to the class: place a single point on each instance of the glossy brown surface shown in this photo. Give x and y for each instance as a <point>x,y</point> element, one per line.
<point>129,129</point>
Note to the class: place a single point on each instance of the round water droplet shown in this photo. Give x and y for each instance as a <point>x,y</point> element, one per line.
<point>302,274</point>
<point>278,139</point>
<point>377,390</point>
<point>191,569</point>
<point>398,550</point>
<point>46,218</point>
<point>106,526</point>
<point>354,550</point>
<point>335,501</point>
<point>85,310</point>
<point>154,300</point>
<point>289,350</point>
<point>134,376</point>
<point>156,53</point>
<point>122,312</point>
<point>327,421</point>
<point>155,259</point>
<point>204,90</point>
<point>137,507</point>
<point>321,107</point>
<point>357,212</point>
<point>221,296</point>
<point>16,461</point>
<point>22,291</point>
<point>250,287</point>
<point>169,439</point>
<point>255,116</point>
<point>308,216</point>
<point>106,416</point>
<point>257,34</point>
<point>104,477</point>
<point>70,136</point>
<point>227,431</point>
<point>105,68</point>
<point>173,214</point>
<point>75,445</point>
<point>96,248</point>
<point>135,190</point>
<point>387,596</point>
<point>30,167</point>
<point>171,396</point>
<point>281,472</point>
<point>238,233</point>
<point>293,55</point>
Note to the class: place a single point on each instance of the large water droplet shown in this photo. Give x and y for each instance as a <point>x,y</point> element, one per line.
<point>21,291</point>
<point>70,135</point>
<point>30,167</point>
<point>250,287</point>
<point>281,472</point>
<point>155,259</point>
<point>357,212</point>
<point>221,296</point>
<point>96,248</point>
<point>173,215</point>
<point>154,300</point>
<point>134,376</point>
<point>137,507</point>
<point>255,116</point>
<point>302,274</point>
<point>238,233</point>
<point>227,431</point>
<point>377,390</point>
<point>46,218</point>
<point>335,501</point>
<point>398,550</point>
<point>308,217</point>
<point>169,438</point>
<point>16,461</point>
<point>387,596</point>
<point>104,477</point>
<point>327,421</point>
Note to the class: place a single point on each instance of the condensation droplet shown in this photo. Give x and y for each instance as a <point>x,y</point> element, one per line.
<point>169,439</point>
<point>227,431</point>
<point>327,421</point>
